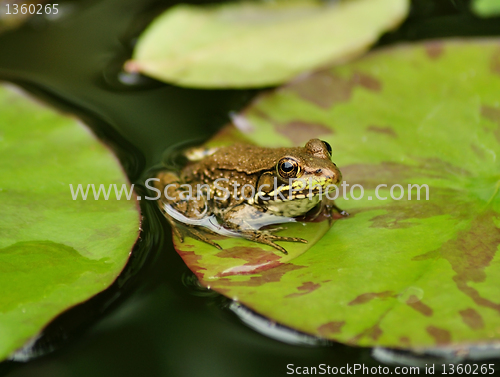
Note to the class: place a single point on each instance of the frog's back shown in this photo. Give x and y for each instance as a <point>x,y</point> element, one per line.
<point>246,158</point>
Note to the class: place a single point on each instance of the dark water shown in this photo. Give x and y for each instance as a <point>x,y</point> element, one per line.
<point>155,321</point>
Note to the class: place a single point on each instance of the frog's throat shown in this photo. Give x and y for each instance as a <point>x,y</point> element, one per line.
<point>292,208</point>
<point>296,189</point>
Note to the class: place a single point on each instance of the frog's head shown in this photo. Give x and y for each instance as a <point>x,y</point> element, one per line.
<point>302,176</point>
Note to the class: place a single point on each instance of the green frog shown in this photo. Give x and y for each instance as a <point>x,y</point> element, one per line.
<point>237,190</point>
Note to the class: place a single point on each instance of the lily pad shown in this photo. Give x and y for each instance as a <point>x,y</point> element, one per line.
<point>255,44</point>
<point>402,273</point>
<point>55,252</point>
<point>486,8</point>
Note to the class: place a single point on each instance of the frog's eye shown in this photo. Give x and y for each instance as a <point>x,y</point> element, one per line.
<point>328,147</point>
<point>288,167</point>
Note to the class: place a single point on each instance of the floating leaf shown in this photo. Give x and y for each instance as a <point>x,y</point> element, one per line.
<point>254,44</point>
<point>396,273</point>
<point>55,252</point>
<point>486,8</point>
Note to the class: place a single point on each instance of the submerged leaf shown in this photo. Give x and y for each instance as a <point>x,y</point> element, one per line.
<point>55,252</point>
<point>254,44</point>
<point>408,273</point>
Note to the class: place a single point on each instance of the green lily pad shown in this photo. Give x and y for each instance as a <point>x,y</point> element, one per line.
<point>397,273</point>
<point>55,252</point>
<point>486,8</point>
<point>254,44</point>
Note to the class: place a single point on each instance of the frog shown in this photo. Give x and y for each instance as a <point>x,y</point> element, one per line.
<point>240,189</point>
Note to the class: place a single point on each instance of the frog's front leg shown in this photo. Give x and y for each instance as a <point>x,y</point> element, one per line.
<point>247,221</point>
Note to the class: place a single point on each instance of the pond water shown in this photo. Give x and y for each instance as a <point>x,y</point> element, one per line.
<point>156,320</point>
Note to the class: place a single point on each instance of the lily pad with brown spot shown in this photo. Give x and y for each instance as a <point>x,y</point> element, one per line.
<point>402,273</point>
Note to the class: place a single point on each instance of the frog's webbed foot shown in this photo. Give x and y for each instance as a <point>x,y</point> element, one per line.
<point>267,237</point>
<point>247,220</point>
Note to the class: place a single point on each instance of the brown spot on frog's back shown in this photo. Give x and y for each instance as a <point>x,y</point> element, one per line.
<point>441,336</point>
<point>472,318</point>
<point>299,132</point>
